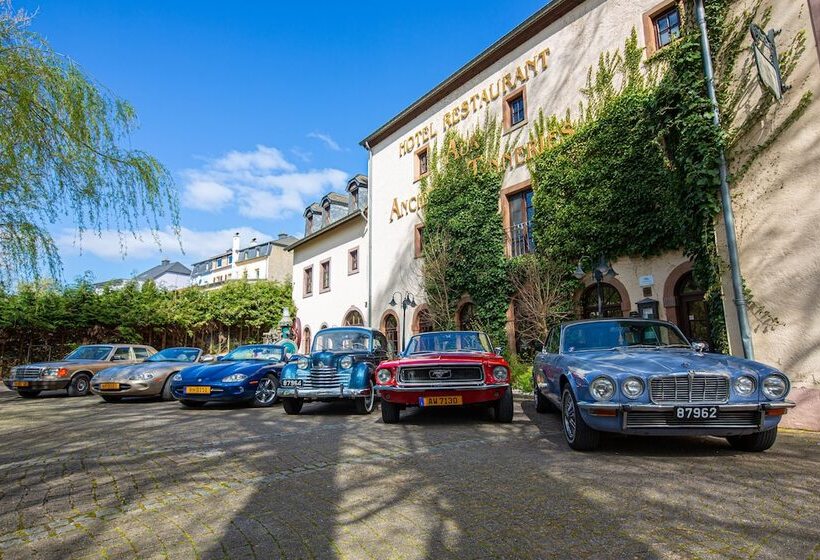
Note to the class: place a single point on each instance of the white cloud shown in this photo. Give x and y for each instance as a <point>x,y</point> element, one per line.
<point>327,139</point>
<point>259,184</point>
<point>196,244</point>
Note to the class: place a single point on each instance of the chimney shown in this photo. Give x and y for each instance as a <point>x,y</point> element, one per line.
<point>165,262</point>
<point>283,235</point>
<point>235,250</point>
<point>253,241</point>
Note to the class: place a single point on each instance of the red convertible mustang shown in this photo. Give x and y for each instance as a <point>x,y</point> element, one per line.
<point>445,369</point>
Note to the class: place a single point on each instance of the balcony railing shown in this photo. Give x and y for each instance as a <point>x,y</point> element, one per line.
<point>519,239</point>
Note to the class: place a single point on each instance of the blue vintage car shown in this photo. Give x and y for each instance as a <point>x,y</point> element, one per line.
<point>249,373</point>
<point>642,377</point>
<point>340,367</point>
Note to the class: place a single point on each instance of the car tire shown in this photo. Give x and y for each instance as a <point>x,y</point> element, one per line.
<point>265,394</point>
<point>27,394</point>
<point>504,407</point>
<point>366,405</point>
<point>391,412</point>
<point>111,398</point>
<point>192,404</point>
<point>167,394</point>
<point>292,406</point>
<point>80,385</point>
<point>578,434</point>
<point>757,442</point>
<point>542,403</point>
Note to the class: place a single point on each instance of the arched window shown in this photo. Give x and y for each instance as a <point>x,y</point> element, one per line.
<point>307,341</point>
<point>693,316</point>
<point>424,320</point>
<point>466,317</point>
<point>391,331</point>
<point>353,319</point>
<point>323,326</point>
<point>611,301</point>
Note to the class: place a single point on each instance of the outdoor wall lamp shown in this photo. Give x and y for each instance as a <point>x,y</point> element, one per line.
<point>407,300</point>
<point>602,270</point>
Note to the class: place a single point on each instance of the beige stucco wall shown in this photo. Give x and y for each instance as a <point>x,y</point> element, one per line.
<point>777,210</point>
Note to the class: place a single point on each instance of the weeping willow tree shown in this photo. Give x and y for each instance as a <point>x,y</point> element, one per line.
<point>64,155</point>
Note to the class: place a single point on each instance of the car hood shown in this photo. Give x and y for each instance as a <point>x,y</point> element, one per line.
<point>217,370</point>
<point>124,371</point>
<point>328,358</point>
<point>654,362</point>
<point>438,357</point>
<point>64,363</point>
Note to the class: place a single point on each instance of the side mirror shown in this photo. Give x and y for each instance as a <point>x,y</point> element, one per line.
<point>700,347</point>
<point>499,350</point>
<point>207,358</point>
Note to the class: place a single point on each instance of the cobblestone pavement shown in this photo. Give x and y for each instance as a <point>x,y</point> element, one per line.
<point>80,478</point>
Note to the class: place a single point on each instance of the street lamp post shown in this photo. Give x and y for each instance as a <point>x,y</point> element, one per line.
<point>407,300</point>
<point>602,270</point>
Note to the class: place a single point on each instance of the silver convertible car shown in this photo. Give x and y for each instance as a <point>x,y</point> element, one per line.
<point>642,377</point>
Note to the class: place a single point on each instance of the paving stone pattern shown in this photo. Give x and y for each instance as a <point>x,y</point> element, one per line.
<point>81,478</point>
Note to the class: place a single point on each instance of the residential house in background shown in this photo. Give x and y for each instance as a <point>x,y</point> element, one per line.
<point>166,275</point>
<point>257,261</point>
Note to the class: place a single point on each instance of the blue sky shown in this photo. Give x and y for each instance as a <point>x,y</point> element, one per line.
<point>256,108</point>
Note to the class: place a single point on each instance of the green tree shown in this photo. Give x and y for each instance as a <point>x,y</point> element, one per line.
<point>61,138</point>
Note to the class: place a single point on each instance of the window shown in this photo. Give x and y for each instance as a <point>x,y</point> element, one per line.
<point>515,109</point>
<point>424,320</point>
<point>257,273</point>
<point>324,285</point>
<point>418,241</point>
<point>422,163</point>
<point>218,262</point>
<point>307,340</point>
<point>667,27</point>
<point>354,199</point>
<point>308,282</point>
<point>466,318</point>
<point>611,300</point>
<point>141,353</point>
<point>353,261</point>
<point>245,274</point>
<point>521,214</point>
<point>391,329</point>
<point>553,340</point>
<point>353,319</point>
<point>121,354</point>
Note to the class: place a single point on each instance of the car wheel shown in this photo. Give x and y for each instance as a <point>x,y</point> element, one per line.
<point>79,386</point>
<point>292,406</point>
<point>578,434</point>
<point>542,403</point>
<point>265,394</point>
<point>192,404</point>
<point>503,407</point>
<point>27,394</point>
<point>391,412</point>
<point>111,398</point>
<point>365,405</point>
<point>167,394</point>
<point>757,442</point>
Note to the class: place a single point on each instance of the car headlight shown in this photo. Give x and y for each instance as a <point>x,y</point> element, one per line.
<point>142,376</point>
<point>234,377</point>
<point>346,362</point>
<point>303,363</point>
<point>744,385</point>
<point>500,373</point>
<point>51,372</point>
<point>775,386</point>
<point>632,387</point>
<point>383,376</point>
<point>177,377</point>
<point>602,389</point>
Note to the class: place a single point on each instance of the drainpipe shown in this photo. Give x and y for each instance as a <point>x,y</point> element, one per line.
<point>725,195</point>
<point>369,235</point>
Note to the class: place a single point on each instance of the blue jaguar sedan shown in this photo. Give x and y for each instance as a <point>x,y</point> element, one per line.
<point>248,374</point>
<point>642,377</point>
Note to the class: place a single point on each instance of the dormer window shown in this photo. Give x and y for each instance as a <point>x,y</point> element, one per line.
<point>354,198</point>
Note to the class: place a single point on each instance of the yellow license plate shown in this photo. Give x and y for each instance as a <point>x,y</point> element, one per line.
<point>197,390</point>
<point>110,386</point>
<point>22,383</point>
<point>440,401</point>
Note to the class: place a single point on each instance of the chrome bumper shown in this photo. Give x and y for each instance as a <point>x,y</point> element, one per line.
<point>341,392</point>
<point>417,388</point>
<point>667,407</point>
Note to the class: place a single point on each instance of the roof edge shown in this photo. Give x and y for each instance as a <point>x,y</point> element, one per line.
<point>328,227</point>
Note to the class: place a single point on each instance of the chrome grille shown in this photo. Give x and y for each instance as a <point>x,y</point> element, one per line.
<point>440,374</point>
<point>28,373</point>
<point>323,377</point>
<point>667,419</point>
<point>700,388</point>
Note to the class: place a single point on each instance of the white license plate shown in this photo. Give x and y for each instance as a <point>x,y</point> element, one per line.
<point>696,413</point>
<point>291,383</point>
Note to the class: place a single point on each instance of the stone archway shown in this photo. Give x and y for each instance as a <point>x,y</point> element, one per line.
<point>670,301</point>
<point>614,283</point>
<point>353,318</point>
<point>422,322</point>
<point>389,325</point>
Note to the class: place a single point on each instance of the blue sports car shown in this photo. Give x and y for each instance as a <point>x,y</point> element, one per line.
<point>642,377</point>
<point>249,373</point>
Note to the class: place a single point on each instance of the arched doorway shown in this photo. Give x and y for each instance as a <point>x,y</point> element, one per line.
<point>465,318</point>
<point>693,316</point>
<point>612,302</point>
<point>424,321</point>
<point>307,340</point>
<point>353,319</point>
<point>390,327</point>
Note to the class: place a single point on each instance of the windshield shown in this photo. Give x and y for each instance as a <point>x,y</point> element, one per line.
<point>256,352</point>
<point>620,334</point>
<point>175,355</point>
<point>449,342</point>
<point>90,353</point>
<point>341,340</point>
